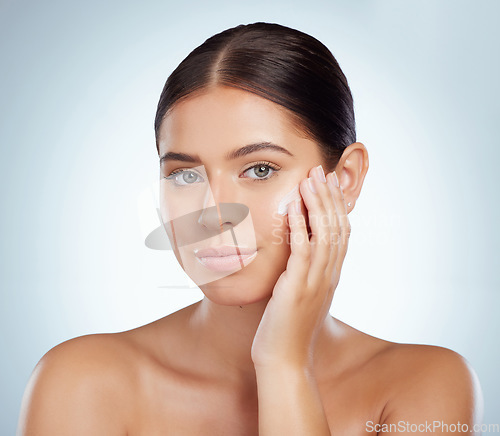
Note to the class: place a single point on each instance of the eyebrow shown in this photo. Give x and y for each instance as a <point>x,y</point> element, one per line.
<point>235,154</point>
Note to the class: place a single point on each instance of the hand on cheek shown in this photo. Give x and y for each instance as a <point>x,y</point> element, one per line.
<point>303,293</point>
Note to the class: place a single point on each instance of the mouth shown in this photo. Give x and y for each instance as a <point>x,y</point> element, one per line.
<point>225,258</point>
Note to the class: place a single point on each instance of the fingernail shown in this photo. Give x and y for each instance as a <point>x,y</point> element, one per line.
<point>321,173</point>
<point>335,179</point>
<point>311,185</point>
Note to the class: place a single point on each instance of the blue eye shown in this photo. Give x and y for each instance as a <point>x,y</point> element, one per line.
<point>261,171</point>
<point>185,177</point>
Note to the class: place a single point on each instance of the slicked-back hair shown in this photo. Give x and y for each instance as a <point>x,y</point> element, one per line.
<point>281,64</point>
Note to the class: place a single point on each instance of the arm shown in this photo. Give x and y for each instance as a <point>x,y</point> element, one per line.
<point>284,344</point>
<point>289,402</point>
<point>69,394</point>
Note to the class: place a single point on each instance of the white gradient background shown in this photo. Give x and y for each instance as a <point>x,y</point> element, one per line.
<point>79,86</point>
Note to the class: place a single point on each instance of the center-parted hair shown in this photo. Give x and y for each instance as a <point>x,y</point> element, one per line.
<point>281,64</point>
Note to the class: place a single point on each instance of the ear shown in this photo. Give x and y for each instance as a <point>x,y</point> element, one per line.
<point>351,171</point>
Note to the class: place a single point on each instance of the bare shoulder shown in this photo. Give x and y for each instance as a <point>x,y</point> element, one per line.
<point>429,365</point>
<point>80,387</point>
<point>429,383</point>
<point>406,384</point>
<point>88,350</point>
<point>406,368</point>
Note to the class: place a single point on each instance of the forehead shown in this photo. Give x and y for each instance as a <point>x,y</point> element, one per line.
<point>228,117</point>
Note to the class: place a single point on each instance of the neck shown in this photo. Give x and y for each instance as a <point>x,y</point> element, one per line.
<point>224,337</point>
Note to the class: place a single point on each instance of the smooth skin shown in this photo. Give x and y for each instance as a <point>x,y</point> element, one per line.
<point>279,364</point>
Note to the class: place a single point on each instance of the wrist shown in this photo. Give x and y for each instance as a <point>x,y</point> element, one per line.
<point>281,367</point>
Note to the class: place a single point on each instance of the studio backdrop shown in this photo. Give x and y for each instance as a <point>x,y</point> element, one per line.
<point>79,86</point>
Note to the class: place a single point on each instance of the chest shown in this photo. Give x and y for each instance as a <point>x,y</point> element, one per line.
<point>180,405</point>
<point>185,406</point>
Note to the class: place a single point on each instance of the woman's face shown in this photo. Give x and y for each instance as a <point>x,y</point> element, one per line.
<point>216,191</point>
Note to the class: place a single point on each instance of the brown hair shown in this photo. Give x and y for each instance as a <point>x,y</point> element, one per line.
<point>284,65</point>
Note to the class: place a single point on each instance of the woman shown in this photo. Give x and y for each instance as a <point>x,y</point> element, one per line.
<point>254,117</point>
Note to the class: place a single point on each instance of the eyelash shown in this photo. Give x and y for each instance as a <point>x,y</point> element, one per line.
<point>274,167</point>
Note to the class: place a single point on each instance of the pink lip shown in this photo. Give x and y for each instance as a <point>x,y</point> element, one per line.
<point>225,258</point>
<point>223,250</point>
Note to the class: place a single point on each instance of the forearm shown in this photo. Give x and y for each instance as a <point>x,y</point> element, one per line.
<point>289,403</point>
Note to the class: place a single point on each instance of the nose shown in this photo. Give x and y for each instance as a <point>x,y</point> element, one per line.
<point>219,213</point>
<point>223,216</point>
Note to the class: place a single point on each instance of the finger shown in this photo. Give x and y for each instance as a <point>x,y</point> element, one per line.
<point>299,260</point>
<point>332,272</point>
<point>345,226</point>
<point>333,235</point>
<point>322,250</point>
<point>313,190</point>
<point>331,220</point>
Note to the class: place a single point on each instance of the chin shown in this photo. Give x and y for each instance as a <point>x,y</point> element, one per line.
<point>233,291</point>
<point>252,284</point>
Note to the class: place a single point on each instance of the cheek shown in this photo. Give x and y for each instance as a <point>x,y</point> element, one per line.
<point>271,227</point>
